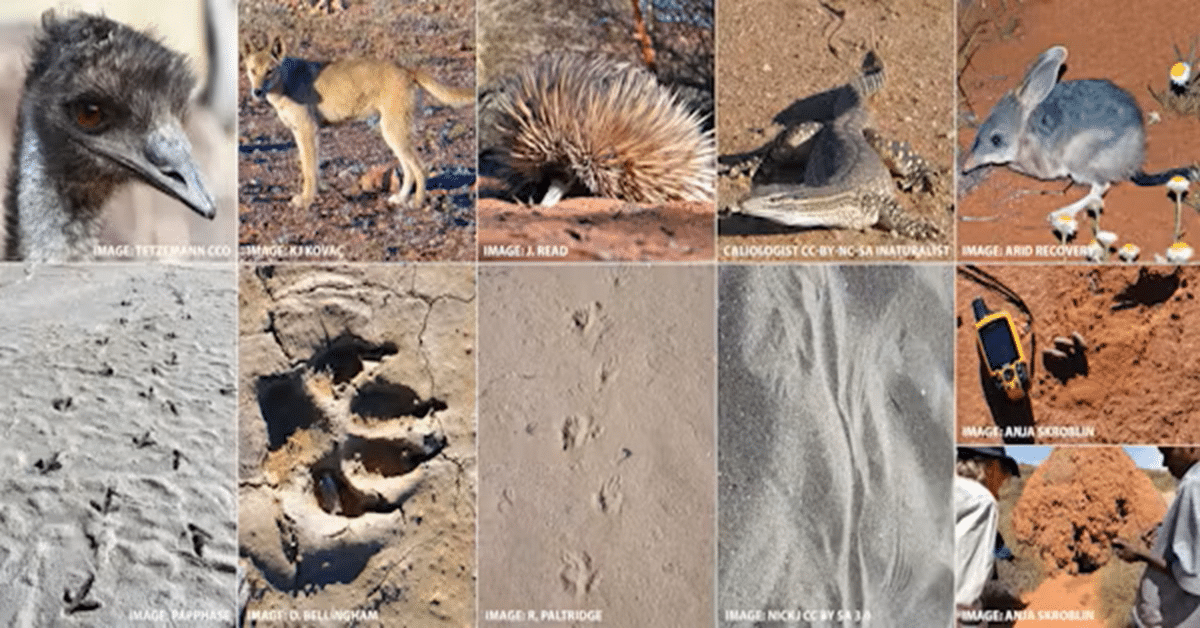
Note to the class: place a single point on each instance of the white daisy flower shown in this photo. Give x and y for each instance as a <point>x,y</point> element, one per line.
<point>1179,253</point>
<point>1107,238</point>
<point>1129,252</point>
<point>1181,73</point>
<point>1178,184</point>
<point>1095,252</point>
<point>1064,225</point>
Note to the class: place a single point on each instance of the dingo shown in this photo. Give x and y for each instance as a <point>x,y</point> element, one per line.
<point>307,93</point>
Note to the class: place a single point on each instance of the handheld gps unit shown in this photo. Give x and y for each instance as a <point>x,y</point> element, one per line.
<point>1001,351</point>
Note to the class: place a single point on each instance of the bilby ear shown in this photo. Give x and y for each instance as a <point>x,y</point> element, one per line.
<point>1041,78</point>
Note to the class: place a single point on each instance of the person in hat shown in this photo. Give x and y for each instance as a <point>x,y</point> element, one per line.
<point>979,474</point>
<point>1169,593</point>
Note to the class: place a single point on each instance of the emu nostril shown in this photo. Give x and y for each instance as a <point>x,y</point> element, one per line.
<point>176,176</point>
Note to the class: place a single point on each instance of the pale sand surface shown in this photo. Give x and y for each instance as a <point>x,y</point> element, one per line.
<point>835,443</point>
<point>596,442</point>
<point>116,444</point>
<point>357,445</point>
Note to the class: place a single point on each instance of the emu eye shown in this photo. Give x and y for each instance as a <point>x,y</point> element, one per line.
<point>89,116</point>
<point>996,141</point>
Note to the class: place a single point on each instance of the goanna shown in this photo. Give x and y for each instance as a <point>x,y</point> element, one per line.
<point>833,171</point>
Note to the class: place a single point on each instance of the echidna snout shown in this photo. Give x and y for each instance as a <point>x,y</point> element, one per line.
<point>574,122</point>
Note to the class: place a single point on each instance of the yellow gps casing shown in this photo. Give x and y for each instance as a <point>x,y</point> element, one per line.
<point>1002,353</point>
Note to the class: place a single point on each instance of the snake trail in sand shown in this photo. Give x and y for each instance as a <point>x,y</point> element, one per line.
<point>835,406</point>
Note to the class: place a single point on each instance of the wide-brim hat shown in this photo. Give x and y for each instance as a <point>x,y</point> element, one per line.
<point>991,453</point>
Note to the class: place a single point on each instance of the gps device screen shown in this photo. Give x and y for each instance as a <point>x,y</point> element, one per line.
<point>998,344</point>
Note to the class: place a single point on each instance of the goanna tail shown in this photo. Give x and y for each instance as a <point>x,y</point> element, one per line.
<point>872,76</point>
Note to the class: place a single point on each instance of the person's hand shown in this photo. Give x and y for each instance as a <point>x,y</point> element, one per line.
<point>1151,534</point>
<point>1124,550</point>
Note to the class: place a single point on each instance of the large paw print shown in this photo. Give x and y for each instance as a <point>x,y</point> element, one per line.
<point>346,449</point>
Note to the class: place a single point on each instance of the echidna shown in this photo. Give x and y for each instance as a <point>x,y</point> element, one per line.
<point>577,123</point>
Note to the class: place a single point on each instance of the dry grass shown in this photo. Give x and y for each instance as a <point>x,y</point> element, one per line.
<point>1025,572</point>
<point>978,24</point>
<point>1117,590</point>
<point>1162,479</point>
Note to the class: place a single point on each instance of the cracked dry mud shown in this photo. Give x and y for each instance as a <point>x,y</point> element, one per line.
<point>356,465</point>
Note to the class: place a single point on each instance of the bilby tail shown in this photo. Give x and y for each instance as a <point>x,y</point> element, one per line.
<point>1191,173</point>
<point>453,96</point>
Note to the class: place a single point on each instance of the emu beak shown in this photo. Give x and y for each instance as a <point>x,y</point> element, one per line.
<point>165,162</point>
<point>167,165</point>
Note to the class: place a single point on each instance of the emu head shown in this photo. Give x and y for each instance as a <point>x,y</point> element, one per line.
<point>107,103</point>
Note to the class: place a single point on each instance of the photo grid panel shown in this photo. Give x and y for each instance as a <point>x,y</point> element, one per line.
<point>835,401</point>
<point>357,130</point>
<point>596,130</point>
<point>356,432</point>
<point>1076,419</point>
<point>596,445</point>
<point>835,131</point>
<point>118,315</point>
<point>119,504</point>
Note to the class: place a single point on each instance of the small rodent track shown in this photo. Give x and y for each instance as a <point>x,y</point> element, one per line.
<point>344,443</point>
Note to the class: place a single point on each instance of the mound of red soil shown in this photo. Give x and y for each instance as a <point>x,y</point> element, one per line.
<point>1078,500</point>
<point>596,229</point>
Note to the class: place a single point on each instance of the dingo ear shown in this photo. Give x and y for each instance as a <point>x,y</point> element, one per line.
<point>253,43</point>
<point>277,48</point>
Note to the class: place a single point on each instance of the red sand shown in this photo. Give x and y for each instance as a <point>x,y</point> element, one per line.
<point>1064,593</point>
<point>597,229</point>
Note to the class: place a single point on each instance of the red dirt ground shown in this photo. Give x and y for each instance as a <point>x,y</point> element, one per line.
<point>1063,593</point>
<point>1142,376</point>
<point>598,229</point>
<point>1129,43</point>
